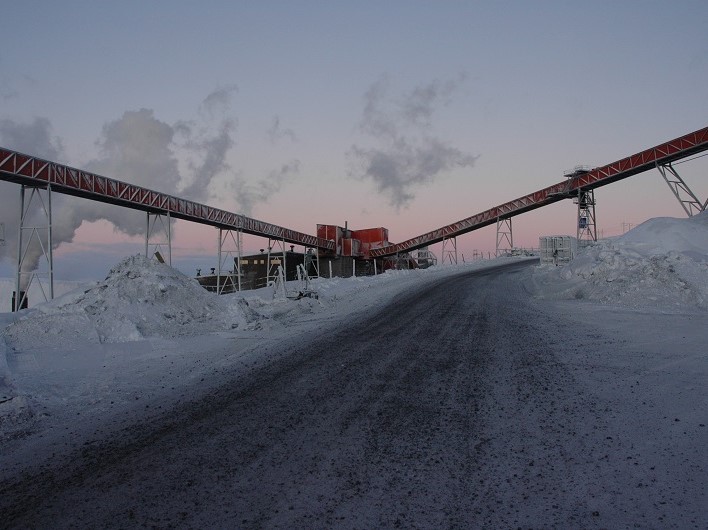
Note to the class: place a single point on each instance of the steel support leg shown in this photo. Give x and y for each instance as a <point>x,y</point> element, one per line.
<point>688,200</point>
<point>587,226</point>
<point>505,237</point>
<point>159,226</point>
<point>34,246</point>
<point>449,250</point>
<point>230,244</point>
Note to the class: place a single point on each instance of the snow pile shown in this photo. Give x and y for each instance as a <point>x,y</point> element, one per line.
<point>347,295</point>
<point>662,263</point>
<point>140,298</point>
<point>339,297</point>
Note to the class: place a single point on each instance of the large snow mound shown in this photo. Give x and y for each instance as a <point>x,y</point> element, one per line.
<point>140,298</point>
<point>661,263</point>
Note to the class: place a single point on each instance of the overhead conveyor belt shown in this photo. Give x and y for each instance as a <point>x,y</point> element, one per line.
<point>679,148</point>
<point>32,171</point>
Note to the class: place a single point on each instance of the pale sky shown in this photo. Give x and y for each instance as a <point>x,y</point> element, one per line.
<point>276,109</point>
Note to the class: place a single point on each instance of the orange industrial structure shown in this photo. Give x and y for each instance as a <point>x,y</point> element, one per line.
<point>352,243</point>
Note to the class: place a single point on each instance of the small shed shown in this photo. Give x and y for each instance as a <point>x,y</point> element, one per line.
<point>557,250</point>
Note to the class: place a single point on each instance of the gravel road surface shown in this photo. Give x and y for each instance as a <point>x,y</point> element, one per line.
<point>451,408</point>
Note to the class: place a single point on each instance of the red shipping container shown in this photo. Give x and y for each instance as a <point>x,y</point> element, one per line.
<point>376,236</point>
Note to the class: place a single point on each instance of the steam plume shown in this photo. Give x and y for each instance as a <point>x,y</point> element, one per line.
<point>34,137</point>
<point>407,153</point>
<point>136,148</point>
<point>251,194</point>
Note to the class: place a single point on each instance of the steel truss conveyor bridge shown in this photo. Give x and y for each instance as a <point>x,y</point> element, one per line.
<point>38,175</point>
<point>35,172</point>
<point>577,187</point>
<point>35,175</point>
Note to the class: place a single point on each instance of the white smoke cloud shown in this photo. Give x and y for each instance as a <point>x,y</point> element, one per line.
<point>182,159</point>
<point>136,148</point>
<point>34,137</point>
<point>407,154</point>
<point>218,103</point>
<point>251,194</point>
<point>206,158</point>
<point>397,169</point>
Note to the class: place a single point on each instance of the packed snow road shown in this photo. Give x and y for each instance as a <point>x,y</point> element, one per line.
<point>456,406</point>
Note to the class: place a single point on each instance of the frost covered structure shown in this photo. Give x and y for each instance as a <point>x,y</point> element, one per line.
<point>139,298</point>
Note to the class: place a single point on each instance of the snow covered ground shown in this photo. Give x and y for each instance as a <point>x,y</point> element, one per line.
<point>147,332</point>
<point>142,338</point>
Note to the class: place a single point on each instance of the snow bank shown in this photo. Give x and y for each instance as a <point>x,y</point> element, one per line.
<point>662,263</point>
<point>140,298</point>
<point>340,297</point>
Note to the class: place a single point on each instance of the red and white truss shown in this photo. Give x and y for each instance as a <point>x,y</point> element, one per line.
<point>32,171</point>
<point>665,153</point>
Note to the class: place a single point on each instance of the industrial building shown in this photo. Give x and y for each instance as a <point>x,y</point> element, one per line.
<point>351,252</point>
<point>350,256</point>
<point>256,270</point>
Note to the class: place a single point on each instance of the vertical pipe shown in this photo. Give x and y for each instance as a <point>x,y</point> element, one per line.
<point>375,271</point>
<point>330,270</point>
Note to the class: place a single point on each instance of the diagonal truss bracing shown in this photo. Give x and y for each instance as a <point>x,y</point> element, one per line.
<point>31,171</point>
<point>665,153</point>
